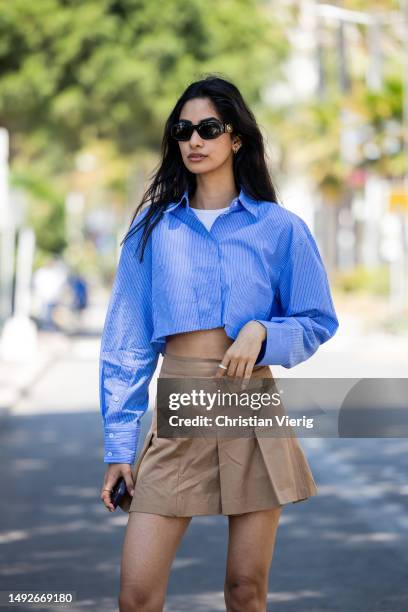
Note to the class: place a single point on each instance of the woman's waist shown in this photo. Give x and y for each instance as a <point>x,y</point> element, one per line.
<point>199,344</point>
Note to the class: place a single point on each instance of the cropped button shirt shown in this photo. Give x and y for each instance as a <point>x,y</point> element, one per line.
<point>258,262</point>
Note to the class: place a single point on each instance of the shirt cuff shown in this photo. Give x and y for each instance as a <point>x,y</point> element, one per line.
<point>121,444</point>
<point>283,345</point>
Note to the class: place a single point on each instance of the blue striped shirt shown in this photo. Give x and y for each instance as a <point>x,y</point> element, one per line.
<point>258,262</point>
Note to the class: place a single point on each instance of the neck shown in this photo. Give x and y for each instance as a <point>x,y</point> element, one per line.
<point>213,193</point>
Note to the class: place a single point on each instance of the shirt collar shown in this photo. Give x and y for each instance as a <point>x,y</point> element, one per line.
<point>243,199</point>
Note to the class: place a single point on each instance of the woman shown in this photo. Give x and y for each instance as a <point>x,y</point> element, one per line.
<point>227,283</point>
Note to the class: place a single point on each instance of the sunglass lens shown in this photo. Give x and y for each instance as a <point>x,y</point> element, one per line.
<point>181,131</point>
<point>210,130</point>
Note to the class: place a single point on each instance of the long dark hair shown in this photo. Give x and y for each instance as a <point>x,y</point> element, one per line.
<point>172,178</point>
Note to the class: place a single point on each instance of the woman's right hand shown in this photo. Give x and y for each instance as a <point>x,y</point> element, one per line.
<point>112,475</point>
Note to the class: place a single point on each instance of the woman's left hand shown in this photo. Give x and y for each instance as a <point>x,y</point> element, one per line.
<point>240,357</point>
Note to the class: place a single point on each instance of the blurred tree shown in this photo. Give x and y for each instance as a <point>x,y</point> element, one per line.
<point>85,79</point>
<point>316,130</point>
<point>46,215</point>
<point>78,70</point>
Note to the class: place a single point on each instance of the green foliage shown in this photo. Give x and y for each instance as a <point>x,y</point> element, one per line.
<point>365,280</point>
<point>313,129</point>
<point>79,72</point>
<point>46,212</point>
<point>376,5</point>
<point>113,69</point>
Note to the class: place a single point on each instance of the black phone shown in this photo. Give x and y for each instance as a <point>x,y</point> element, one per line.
<point>118,491</point>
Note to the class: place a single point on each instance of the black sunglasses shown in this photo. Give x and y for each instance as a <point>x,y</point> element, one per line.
<point>207,129</point>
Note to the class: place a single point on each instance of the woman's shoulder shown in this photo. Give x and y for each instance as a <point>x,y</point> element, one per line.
<point>136,225</point>
<point>283,221</point>
<point>133,235</point>
<point>140,216</point>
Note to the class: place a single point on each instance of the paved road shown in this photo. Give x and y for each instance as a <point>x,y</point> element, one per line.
<point>345,550</point>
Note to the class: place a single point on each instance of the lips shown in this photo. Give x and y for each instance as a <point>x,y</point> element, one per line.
<point>196,156</point>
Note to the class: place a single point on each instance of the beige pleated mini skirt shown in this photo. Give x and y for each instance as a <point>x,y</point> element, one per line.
<point>216,475</point>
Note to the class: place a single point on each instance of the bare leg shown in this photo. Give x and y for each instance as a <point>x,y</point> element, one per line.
<point>250,549</point>
<point>149,547</point>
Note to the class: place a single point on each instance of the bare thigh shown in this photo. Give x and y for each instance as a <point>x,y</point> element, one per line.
<point>251,544</point>
<point>150,545</point>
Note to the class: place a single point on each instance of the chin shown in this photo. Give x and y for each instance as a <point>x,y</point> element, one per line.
<point>196,171</point>
<point>201,170</point>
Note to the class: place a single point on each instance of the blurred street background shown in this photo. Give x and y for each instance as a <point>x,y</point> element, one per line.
<point>85,88</point>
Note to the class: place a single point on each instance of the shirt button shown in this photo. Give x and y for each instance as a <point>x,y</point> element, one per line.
<point>111,435</point>
<point>110,454</point>
<point>116,398</point>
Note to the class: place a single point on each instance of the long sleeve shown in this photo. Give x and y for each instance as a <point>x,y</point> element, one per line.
<point>306,317</point>
<point>127,358</point>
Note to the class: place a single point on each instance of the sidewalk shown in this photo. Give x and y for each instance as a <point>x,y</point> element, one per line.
<point>16,378</point>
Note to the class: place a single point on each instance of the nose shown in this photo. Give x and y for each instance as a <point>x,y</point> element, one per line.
<point>195,138</point>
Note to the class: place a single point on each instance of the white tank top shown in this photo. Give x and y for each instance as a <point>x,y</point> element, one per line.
<point>207,217</point>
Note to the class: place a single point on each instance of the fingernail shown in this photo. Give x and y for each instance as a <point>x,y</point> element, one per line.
<point>132,492</point>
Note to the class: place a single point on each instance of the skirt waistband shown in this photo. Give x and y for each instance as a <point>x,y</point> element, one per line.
<point>196,366</point>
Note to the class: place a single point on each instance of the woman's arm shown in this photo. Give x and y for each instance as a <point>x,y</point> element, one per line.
<point>127,358</point>
<point>308,318</point>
